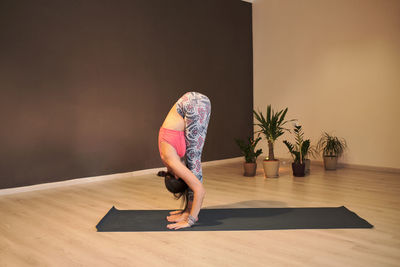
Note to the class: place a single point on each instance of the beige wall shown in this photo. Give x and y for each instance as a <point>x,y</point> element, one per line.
<point>336,66</point>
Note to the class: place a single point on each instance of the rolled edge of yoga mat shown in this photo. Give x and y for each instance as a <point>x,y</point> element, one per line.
<point>98,226</point>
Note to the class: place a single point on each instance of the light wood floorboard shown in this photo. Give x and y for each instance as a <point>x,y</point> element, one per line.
<point>56,227</point>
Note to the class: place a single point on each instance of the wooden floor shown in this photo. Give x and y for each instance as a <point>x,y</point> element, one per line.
<point>56,227</point>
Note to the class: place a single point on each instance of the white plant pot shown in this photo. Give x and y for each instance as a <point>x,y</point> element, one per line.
<point>330,162</point>
<point>271,168</point>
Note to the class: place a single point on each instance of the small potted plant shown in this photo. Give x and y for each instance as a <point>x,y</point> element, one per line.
<point>332,147</point>
<point>310,152</point>
<point>298,151</point>
<point>250,155</point>
<point>271,125</point>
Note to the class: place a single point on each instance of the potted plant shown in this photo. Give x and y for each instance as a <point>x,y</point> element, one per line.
<point>312,151</point>
<point>298,151</point>
<point>250,155</point>
<point>271,125</point>
<point>332,147</point>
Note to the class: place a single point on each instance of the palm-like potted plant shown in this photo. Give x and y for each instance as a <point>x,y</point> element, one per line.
<point>332,147</point>
<point>250,155</point>
<point>298,151</point>
<point>271,125</point>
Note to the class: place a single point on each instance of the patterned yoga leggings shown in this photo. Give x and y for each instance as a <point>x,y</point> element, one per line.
<point>195,108</point>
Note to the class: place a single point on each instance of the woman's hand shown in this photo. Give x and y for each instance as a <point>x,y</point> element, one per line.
<point>178,217</point>
<point>178,225</point>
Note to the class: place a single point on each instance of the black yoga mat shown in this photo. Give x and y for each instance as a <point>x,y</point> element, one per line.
<point>235,219</point>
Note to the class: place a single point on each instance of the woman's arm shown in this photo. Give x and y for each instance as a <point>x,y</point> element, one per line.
<point>191,180</point>
<point>172,161</point>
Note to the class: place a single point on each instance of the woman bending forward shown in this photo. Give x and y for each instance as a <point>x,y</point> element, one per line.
<point>183,134</point>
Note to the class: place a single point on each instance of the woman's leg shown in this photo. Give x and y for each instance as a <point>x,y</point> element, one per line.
<point>196,109</point>
<point>197,118</point>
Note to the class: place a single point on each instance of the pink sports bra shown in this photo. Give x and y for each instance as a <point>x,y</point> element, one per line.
<point>174,138</point>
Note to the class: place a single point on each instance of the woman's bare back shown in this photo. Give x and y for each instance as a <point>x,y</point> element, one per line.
<point>174,121</point>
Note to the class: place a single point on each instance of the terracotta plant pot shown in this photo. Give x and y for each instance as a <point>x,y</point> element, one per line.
<point>271,168</point>
<point>298,169</point>
<point>250,169</point>
<point>330,162</point>
<point>308,165</point>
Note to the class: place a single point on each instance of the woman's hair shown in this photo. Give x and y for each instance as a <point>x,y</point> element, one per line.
<point>177,187</point>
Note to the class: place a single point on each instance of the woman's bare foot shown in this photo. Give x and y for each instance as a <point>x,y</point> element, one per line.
<point>178,217</point>
<point>175,212</point>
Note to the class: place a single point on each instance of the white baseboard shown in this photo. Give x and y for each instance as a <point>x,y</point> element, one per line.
<point>342,165</point>
<point>222,161</point>
<point>366,167</point>
<point>15,190</point>
<point>284,161</point>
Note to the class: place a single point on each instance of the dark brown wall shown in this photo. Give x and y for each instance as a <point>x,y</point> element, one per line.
<point>85,85</point>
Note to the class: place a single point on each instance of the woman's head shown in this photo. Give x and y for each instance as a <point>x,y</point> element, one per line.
<point>178,187</point>
<point>173,185</point>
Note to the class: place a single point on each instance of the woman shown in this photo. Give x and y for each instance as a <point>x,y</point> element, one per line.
<point>183,134</point>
